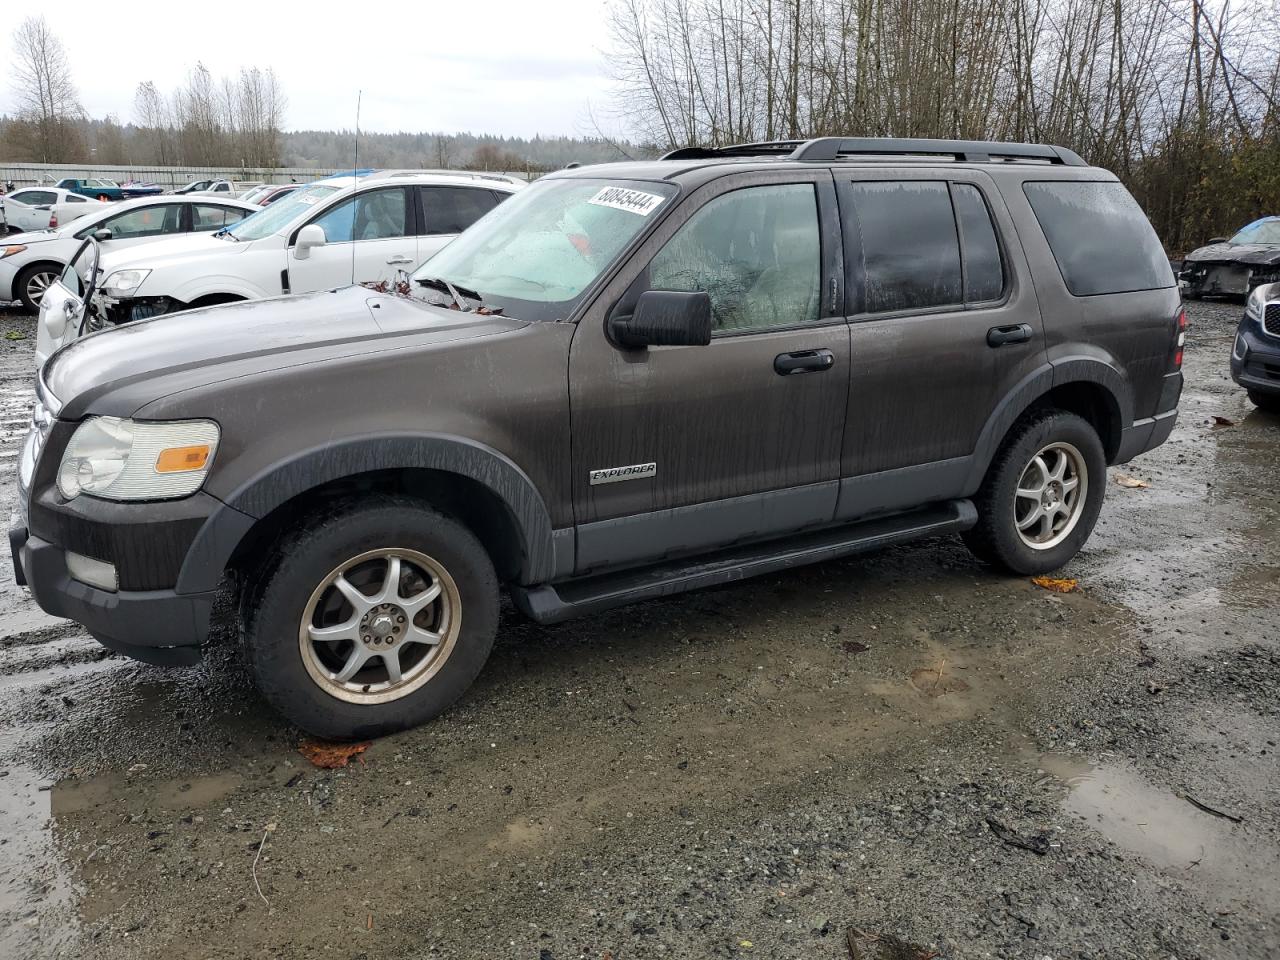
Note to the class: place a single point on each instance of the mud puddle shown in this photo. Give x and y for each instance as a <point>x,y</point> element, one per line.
<point>1226,861</point>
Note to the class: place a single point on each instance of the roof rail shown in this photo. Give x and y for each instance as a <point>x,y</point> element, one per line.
<point>836,148</point>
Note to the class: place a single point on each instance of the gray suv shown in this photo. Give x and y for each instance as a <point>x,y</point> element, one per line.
<point>627,381</point>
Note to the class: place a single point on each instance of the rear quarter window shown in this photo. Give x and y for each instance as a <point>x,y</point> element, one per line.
<point>1100,237</point>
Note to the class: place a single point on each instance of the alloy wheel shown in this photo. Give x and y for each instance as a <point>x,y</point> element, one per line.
<point>1050,496</point>
<point>380,625</point>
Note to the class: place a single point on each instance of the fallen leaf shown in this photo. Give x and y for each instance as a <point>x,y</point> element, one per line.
<point>1057,585</point>
<point>330,756</point>
<point>1127,481</point>
<point>852,646</point>
<point>747,944</point>
<point>1222,421</point>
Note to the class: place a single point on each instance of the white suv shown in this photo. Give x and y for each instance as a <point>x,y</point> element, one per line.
<point>332,233</point>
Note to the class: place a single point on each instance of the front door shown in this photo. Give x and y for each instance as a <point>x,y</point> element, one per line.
<point>368,238</point>
<point>736,440</point>
<point>944,324</point>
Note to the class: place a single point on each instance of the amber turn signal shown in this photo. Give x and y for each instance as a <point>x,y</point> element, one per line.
<point>182,459</point>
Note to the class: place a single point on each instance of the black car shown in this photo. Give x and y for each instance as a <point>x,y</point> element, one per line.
<point>1235,267</point>
<point>1255,358</point>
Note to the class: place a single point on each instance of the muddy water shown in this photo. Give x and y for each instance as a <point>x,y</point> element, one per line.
<point>765,764</point>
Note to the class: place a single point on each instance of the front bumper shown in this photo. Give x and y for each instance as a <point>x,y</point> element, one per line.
<point>156,626</point>
<point>1255,359</point>
<point>1225,277</point>
<point>8,277</point>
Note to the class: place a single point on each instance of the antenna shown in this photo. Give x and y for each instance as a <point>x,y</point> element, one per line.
<point>355,165</point>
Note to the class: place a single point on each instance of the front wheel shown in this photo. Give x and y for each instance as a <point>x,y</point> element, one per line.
<point>31,284</point>
<point>1267,402</point>
<point>372,618</point>
<point>1042,494</point>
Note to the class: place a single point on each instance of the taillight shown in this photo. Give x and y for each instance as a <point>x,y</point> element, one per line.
<point>1179,338</point>
<point>53,220</point>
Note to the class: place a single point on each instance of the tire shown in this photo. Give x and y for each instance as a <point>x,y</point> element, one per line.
<point>1267,402</point>
<point>301,676</point>
<point>46,272</point>
<point>1054,436</point>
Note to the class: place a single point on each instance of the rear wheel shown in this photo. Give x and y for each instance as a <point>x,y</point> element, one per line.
<point>373,618</point>
<point>31,284</point>
<point>1042,494</point>
<point>1270,402</point>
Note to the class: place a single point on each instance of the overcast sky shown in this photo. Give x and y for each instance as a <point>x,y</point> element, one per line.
<point>495,66</point>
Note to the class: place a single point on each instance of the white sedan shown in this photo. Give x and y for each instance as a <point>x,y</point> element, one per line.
<point>43,208</point>
<point>29,262</point>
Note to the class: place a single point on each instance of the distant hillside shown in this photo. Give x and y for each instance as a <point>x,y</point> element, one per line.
<point>333,148</point>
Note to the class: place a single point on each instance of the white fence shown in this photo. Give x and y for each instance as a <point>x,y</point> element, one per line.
<point>27,174</point>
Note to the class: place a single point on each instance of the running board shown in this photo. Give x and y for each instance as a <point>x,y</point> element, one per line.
<point>552,603</point>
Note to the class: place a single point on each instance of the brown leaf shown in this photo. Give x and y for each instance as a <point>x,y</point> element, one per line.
<point>1057,585</point>
<point>1222,421</point>
<point>852,646</point>
<point>1127,481</point>
<point>330,756</point>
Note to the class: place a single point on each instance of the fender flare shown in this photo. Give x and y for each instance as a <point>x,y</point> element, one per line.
<point>224,530</point>
<point>1053,373</point>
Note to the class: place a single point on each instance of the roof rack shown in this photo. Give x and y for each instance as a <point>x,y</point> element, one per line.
<point>839,148</point>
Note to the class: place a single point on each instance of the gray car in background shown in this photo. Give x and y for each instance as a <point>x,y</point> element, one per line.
<point>624,382</point>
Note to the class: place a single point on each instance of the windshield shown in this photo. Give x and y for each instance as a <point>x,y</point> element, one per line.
<point>534,254</point>
<point>279,215</point>
<point>1260,231</point>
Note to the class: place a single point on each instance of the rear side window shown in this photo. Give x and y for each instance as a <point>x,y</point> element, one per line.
<point>910,254</point>
<point>983,270</point>
<point>453,209</point>
<point>1100,237</point>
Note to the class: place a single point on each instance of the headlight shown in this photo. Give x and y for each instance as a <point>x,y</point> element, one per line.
<point>133,460</point>
<point>1261,294</point>
<point>10,251</point>
<point>124,281</point>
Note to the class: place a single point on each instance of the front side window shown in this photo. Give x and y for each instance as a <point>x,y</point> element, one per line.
<point>373,215</point>
<point>537,252</point>
<point>142,222</point>
<point>756,252</point>
<point>34,197</point>
<point>453,209</point>
<point>1100,237</point>
<point>904,237</point>
<point>207,216</point>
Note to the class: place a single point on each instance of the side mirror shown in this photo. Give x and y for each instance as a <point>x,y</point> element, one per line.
<point>665,318</point>
<point>1218,239</point>
<point>103,235</point>
<point>309,237</point>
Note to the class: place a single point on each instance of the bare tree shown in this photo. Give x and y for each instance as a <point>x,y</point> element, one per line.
<point>46,97</point>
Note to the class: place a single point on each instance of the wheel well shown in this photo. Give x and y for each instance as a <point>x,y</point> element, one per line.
<point>213,299</point>
<point>30,267</point>
<point>477,507</point>
<point>1094,403</point>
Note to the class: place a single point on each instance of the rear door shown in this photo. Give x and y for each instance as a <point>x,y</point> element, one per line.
<point>944,324</point>
<point>368,238</point>
<point>447,211</point>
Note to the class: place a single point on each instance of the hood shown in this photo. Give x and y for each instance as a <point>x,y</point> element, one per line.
<point>1263,254</point>
<point>32,236</point>
<point>162,253</point>
<point>115,372</point>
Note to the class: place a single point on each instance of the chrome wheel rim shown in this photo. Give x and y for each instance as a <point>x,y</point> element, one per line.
<point>38,284</point>
<point>1050,496</point>
<point>380,625</point>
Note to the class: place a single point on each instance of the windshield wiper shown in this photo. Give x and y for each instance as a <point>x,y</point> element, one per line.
<point>457,293</point>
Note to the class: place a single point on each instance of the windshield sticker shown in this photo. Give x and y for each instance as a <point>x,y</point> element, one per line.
<point>634,201</point>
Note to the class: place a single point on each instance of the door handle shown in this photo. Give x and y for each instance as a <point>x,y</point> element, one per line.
<point>1014,333</point>
<point>803,361</point>
<point>395,260</point>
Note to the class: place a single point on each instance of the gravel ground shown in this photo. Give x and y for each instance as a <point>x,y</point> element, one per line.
<point>904,745</point>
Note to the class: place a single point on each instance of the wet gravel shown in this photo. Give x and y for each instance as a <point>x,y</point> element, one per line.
<point>905,745</point>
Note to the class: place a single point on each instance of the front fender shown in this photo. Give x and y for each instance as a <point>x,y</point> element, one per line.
<point>217,285</point>
<point>222,532</point>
